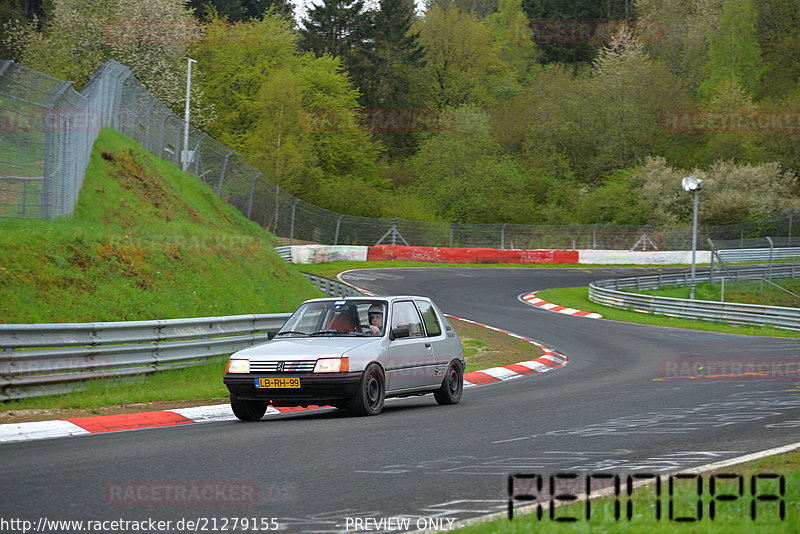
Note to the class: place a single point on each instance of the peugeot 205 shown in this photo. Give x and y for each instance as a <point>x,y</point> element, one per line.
<point>351,353</point>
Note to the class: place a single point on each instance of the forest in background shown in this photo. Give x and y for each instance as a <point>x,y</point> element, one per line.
<point>473,111</point>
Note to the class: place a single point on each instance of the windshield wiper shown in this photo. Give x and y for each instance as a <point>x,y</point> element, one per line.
<point>291,332</point>
<point>335,333</point>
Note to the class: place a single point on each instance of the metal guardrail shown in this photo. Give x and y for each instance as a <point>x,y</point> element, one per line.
<point>43,359</point>
<point>285,252</point>
<point>611,293</point>
<point>333,288</point>
<point>758,254</point>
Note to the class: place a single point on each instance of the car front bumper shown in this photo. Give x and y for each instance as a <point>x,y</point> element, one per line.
<point>314,388</point>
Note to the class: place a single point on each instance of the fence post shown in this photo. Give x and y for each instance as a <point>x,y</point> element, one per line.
<point>338,224</point>
<point>594,236</point>
<point>790,228</point>
<point>147,125</point>
<point>161,136</point>
<point>48,149</point>
<point>711,272</point>
<point>451,235</point>
<point>250,202</point>
<point>503,237</point>
<point>197,155</point>
<point>291,228</point>
<point>222,174</point>
<point>771,246</point>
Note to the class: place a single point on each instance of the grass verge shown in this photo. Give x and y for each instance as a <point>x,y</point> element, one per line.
<point>747,292</point>
<point>578,297</point>
<point>734,515</point>
<point>146,241</point>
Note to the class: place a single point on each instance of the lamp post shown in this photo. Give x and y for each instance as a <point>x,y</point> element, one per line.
<point>693,183</point>
<point>185,155</point>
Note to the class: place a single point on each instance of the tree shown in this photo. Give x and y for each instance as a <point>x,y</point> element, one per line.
<point>573,49</point>
<point>25,13</point>
<point>462,61</point>
<point>394,53</point>
<point>778,30</point>
<point>270,96</point>
<point>151,37</point>
<point>466,178</point>
<point>632,91</point>
<point>733,49</point>
<point>731,193</point>
<point>239,10</point>
<point>333,27</point>
<point>387,74</point>
<point>509,26</point>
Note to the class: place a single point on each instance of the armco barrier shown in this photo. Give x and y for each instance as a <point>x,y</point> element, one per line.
<point>42,359</point>
<point>469,255</point>
<point>609,293</point>
<point>45,359</point>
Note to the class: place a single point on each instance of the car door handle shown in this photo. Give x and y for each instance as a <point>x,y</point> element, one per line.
<point>427,345</point>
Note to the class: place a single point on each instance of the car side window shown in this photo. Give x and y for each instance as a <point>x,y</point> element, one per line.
<point>429,318</point>
<point>404,315</point>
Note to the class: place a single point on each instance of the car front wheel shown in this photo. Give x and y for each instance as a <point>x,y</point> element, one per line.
<point>452,385</point>
<point>248,410</point>
<point>371,392</point>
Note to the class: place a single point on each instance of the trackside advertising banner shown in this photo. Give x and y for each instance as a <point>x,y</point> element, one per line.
<point>469,255</point>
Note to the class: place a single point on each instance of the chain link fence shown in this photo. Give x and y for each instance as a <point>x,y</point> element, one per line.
<point>48,130</point>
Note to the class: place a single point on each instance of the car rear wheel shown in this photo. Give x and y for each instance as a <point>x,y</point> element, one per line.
<point>452,385</point>
<point>371,392</point>
<point>248,410</point>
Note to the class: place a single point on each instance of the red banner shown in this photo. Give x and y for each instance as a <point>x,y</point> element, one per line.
<point>469,255</point>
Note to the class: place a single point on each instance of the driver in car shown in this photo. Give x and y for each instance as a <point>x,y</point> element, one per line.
<point>375,315</point>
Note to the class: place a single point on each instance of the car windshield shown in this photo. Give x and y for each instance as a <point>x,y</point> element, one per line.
<point>336,318</point>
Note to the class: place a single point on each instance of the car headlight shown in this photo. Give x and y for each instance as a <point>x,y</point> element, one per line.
<point>238,366</point>
<point>332,365</point>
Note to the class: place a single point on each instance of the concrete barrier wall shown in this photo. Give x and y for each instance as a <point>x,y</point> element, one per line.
<point>470,255</point>
<point>656,257</point>
<point>307,254</point>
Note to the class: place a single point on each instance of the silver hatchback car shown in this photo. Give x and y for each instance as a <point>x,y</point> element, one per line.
<point>350,353</point>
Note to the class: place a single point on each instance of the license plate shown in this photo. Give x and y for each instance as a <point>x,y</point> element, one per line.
<point>264,383</point>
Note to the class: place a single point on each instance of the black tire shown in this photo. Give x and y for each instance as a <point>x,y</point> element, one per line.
<point>371,392</point>
<point>452,385</point>
<point>248,410</point>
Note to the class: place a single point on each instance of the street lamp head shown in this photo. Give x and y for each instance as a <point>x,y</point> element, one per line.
<point>692,183</point>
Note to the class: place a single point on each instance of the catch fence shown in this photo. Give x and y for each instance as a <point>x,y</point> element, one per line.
<point>49,129</point>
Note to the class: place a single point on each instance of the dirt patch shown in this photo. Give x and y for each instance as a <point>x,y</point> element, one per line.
<point>484,348</point>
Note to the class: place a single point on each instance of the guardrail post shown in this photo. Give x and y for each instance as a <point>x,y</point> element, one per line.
<point>771,246</point>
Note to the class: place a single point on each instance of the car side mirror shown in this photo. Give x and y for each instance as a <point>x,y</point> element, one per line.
<point>400,331</point>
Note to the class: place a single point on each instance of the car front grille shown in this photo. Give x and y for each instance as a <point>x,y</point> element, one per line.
<point>302,366</point>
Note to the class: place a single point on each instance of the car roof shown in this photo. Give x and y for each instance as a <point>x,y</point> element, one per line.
<point>390,298</point>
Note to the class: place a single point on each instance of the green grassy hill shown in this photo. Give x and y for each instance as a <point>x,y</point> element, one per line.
<point>146,242</point>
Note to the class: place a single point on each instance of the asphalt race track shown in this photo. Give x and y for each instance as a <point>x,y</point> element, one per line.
<point>604,412</point>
